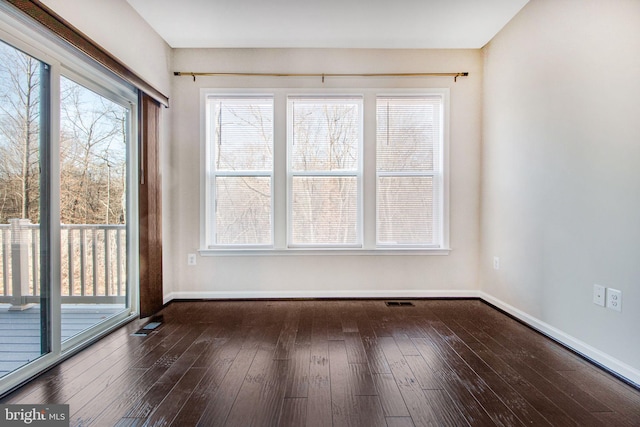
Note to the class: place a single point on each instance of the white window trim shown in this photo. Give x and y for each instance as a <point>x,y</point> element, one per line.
<point>281,184</point>
<point>208,225</point>
<point>438,175</point>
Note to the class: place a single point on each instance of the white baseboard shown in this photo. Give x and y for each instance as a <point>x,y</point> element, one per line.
<point>322,294</point>
<point>595,355</point>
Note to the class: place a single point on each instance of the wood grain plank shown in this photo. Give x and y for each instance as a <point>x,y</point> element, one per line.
<point>259,400</point>
<point>342,402</point>
<point>520,407</point>
<point>569,406</point>
<point>165,411</point>
<point>359,380</point>
<point>399,422</point>
<point>426,377</point>
<point>298,377</point>
<point>620,397</point>
<point>375,356</point>
<point>421,412</point>
<point>294,412</point>
<point>220,360</point>
<point>319,393</point>
<point>478,402</point>
<point>578,394</point>
<point>615,419</point>
<point>355,349</point>
<point>368,412</point>
<point>334,322</point>
<point>448,412</point>
<point>122,404</point>
<point>406,345</point>
<point>536,398</point>
<point>390,397</point>
<point>287,336</point>
<point>222,400</point>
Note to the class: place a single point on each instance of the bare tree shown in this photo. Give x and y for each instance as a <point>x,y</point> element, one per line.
<point>19,134</point>
<point>93,149</point>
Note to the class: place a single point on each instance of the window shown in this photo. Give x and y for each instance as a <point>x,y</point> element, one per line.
<point>357,171</point>
<point>240,171</point>
<point>409,171</point>
<point>325,139</point>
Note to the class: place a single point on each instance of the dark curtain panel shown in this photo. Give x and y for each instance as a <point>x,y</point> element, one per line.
<point>150,208</point>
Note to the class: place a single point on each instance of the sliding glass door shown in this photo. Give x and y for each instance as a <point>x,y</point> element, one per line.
<point>24,314</point>
<point>68,192</point>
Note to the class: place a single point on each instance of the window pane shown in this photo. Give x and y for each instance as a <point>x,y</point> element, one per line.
<point>240,166</point>
<point>325,210</point>
<point>405,210</point>
<point>242,134</point>
<point>408,133</point>
<point>93,194</point>
<point>243,212</point>
<point>326,134</point>
<point>23,288</point>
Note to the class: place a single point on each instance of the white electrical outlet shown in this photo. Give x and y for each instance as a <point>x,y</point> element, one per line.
<point>598,295</point>
<point>496,263</point>
<point>614,299</point>
<point>191,259</point>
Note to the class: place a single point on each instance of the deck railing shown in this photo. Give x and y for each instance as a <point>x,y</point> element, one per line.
<point>93,263</point>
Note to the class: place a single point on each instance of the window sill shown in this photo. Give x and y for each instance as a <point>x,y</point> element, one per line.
<point>324,252</point>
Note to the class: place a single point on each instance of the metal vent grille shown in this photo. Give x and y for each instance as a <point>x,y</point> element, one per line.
<point>148,328</point>
<point>399,304</point>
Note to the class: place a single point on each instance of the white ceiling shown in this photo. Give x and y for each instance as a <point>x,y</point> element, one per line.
<point>327,23</point>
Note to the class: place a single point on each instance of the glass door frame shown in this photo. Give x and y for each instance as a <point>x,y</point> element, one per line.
<point>124,98</point>
<point>21,33</point>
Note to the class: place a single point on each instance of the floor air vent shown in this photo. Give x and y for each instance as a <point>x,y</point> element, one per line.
<point>399,304</point>
<point>148,328</point>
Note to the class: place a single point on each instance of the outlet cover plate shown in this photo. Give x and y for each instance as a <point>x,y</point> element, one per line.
<point>599,295</point>
<point>614,299</point>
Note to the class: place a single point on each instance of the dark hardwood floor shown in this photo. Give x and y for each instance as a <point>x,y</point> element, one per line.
<point>333,363</point>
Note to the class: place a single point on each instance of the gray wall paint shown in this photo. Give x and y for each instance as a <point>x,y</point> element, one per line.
<point>561,176</point>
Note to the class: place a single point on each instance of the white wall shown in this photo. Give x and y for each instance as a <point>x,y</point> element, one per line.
<point>305,275</point>
<point>117,27</point>
<point>561,171</point>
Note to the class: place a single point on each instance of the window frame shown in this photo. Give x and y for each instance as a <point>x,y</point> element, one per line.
<point>436,174</point>
<point>368,194</point>
<point>208,184</point>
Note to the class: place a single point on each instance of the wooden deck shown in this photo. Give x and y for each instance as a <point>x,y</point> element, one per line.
<point>332,363</point>
<point>20,330</point>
